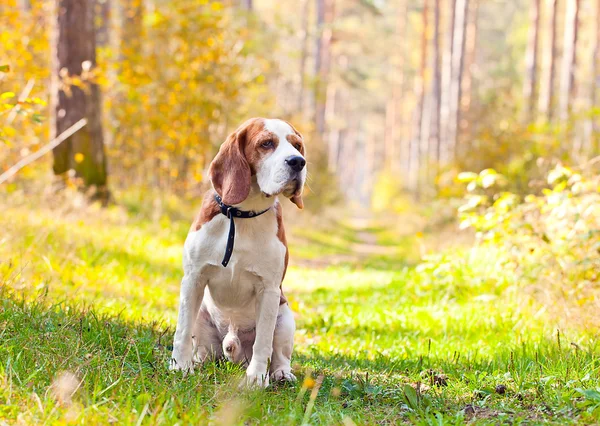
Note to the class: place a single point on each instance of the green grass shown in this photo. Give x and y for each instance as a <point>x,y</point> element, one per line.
<point>455,339</point>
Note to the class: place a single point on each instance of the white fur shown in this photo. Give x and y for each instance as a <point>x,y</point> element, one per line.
<point>227,303</point>
<point>274,174</point>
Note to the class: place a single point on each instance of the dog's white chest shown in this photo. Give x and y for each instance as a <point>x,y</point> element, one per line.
<point>257,262</point>
<point>233,287</point>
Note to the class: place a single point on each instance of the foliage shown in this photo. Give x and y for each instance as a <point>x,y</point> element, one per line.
<point>552,239</point>
<point>24,76</point>
<point>188,74</point>
<point>89,306</point>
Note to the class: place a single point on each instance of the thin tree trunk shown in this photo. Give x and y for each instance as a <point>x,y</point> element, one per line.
<point>531,61</point>
<point>458,62</point>
<point>103,23</point>
<point>434,141</point>
<point>394,137</point>
<point>333,100</point>
<point>25,5</point>
<point>547,84</point>
<point>470,66</point>
<point>569,61</point>
<point>74,54</point>
<point>390,130</point>
<point>591,126</point>
<point>303,56</point>
<point>446,83</point>
<point>325,12</point>
<point>415,147</point>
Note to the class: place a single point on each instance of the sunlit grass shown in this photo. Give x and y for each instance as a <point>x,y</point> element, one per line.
<point>94,293</point>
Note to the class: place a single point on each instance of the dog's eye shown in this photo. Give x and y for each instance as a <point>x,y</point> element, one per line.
<point>267,144</point>
<point>298,146</point>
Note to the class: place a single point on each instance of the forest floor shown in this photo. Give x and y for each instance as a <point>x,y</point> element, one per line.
<point>88,308</point>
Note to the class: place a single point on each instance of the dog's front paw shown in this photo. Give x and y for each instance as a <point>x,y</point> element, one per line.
<point>182,361</point>
<point>256,377</point>
<point>283,376</point>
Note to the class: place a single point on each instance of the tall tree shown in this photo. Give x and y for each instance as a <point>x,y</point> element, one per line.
<point>470,63</point>
<point>531,60</point>
<point>303,56</point>
<point>596,74</point>
<point>74,58</point>
<point>434,139</point>
<point>102,12</point>
<point>325,13</point>
<point>446,83</point>
<point>591,126</point>
<point>416,151</point>
<point>394,114</point>
<point>458,63</point>
<point>569,60</point>
<point>548,75</point>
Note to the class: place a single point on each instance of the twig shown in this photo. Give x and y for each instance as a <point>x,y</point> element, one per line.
<point>53,144</point>
<point>24,94</point>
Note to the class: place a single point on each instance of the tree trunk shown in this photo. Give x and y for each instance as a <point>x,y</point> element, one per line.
<point>547,84</point>
<point>569,60</point>
<point>25,5</point>
<point>74,55</point>
<point>531,61</point>
<point>103,22</point>
<point>325,12</point>
<point>248,5</point>
<point>394,136</point>
<point>303,56</point>
<point>591,126</point>
<point>332,107</point>
<point>468,86</point>
<point>596,79</point>
<point>434,139</point>
<point>462,8</point>
<point>445,156</point>
<point>416,147</point>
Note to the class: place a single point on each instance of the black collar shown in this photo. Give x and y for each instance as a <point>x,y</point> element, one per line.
<point>232,212</point>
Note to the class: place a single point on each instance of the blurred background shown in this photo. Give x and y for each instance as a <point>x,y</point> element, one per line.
<point>394,97</point>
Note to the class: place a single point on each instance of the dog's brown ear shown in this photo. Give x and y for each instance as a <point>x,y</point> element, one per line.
<point>230,172</point>
<point>297,200</point>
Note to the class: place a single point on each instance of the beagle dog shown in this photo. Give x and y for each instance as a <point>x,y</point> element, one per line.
<point>235,256</point>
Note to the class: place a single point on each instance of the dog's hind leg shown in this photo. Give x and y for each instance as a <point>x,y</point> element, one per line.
<point>283,344</point>
<point>207,339</point>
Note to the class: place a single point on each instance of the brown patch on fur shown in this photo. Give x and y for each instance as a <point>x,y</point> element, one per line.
<point>236,161</point>
<point>295,139</point>
<point>281,236</point>
<point>209,209</point>
<point>257,135</point>
<point>294,129</point>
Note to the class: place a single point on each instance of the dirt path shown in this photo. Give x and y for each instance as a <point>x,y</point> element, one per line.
<point>366,246</point>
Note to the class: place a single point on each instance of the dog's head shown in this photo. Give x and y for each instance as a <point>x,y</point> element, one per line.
<point>270,151</point>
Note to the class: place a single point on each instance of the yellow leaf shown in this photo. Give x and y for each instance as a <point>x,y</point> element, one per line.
<point>79,157</point>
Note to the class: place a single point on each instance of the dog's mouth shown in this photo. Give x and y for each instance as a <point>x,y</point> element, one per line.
<point>294,187</point>
<point>290,189</point>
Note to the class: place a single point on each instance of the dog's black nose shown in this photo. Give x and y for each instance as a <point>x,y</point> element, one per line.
<point>296,162</point>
